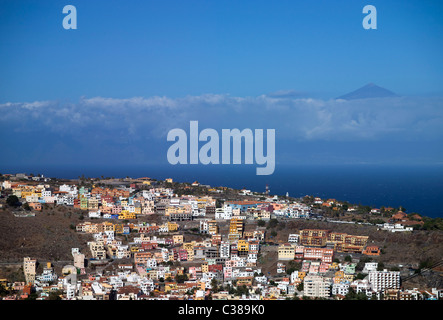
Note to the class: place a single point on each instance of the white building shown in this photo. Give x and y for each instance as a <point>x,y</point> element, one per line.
<point>294,276</point>
<point>281,268</point>
<point>362,286</point>
<point>70,189</point>
<point>123,252</point>
<point>94,214</point>
<point>252,257</point>
<point>397,227</point>
<point>146,285</point>
<point>293,238</point>
<point>48,275</point>
<point>224,213</point>
<point>385,279</point>
<point>71,290</point>
<point>46,193</point>
<point>79,259</point>
<point>224,249</point>
<point>151,263</point>
<point>204,226</point>
<point>316,286</point>
<point>340,288</point>
<point>370,266</point>
<point>261,279</point>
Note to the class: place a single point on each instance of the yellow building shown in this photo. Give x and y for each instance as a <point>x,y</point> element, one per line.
<point>29,269</point>
<point>212,227</point>
<point>172,226</point>
<point>334,266</point>
<point>152,274</point>
<point>93,204</point>
<point>313,237</point>
<point>348,277</point>
<point>180,270</point>
<point>338,277</point>
<point>286,252</point>
<point>103,227</point>
<point>190,254</point>
<point>118,228</point>
<point>266,215</point>
<point>177,238</point>
<point>301,275</point>
<point>126,215</point>
<point>170,286</point>
<point>27,193</point>
<point>352,244</point>
<point>189,247</point>
<point>243,245</point>
<point>170,210</point>
<point>168,275</point>
<point>236,227</point>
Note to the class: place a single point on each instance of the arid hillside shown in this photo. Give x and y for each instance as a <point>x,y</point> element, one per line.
<point>48,236</point>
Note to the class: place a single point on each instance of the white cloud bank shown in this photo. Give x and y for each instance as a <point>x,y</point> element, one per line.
<point>294,118</point>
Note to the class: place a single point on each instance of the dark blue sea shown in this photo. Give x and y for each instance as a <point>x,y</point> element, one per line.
<point>416,188</point>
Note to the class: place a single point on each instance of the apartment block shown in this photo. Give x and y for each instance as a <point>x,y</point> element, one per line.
<point>97,249</point>
<point>286,252</point>
<point>382,280</point>
<point>316,286</point>
<point>313,237</point>
<point>29,269</point>
<point>323,254</point>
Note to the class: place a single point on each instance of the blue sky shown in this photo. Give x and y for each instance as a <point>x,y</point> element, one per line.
<point>135,69</point>
<point>123,49</point>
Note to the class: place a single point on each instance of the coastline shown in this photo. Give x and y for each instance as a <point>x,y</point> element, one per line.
<point>419,189</point>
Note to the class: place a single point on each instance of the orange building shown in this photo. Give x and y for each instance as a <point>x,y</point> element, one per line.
<point>313,237</point>
<point>142,257</point>
<point>36,206</point>
<point>352,244</point>
<point>372,251</point>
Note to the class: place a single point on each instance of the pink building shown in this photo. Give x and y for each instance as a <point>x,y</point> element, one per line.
<point>183,255</point>
<point>323,254</point>
<point>227,272</point>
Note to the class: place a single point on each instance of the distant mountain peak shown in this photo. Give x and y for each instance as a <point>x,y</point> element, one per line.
<point>371,90</point>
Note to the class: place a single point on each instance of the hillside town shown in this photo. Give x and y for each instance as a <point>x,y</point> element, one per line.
<point>146,241</point>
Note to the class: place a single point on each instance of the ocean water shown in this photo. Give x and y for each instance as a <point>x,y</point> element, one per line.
<point>416,188</point>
